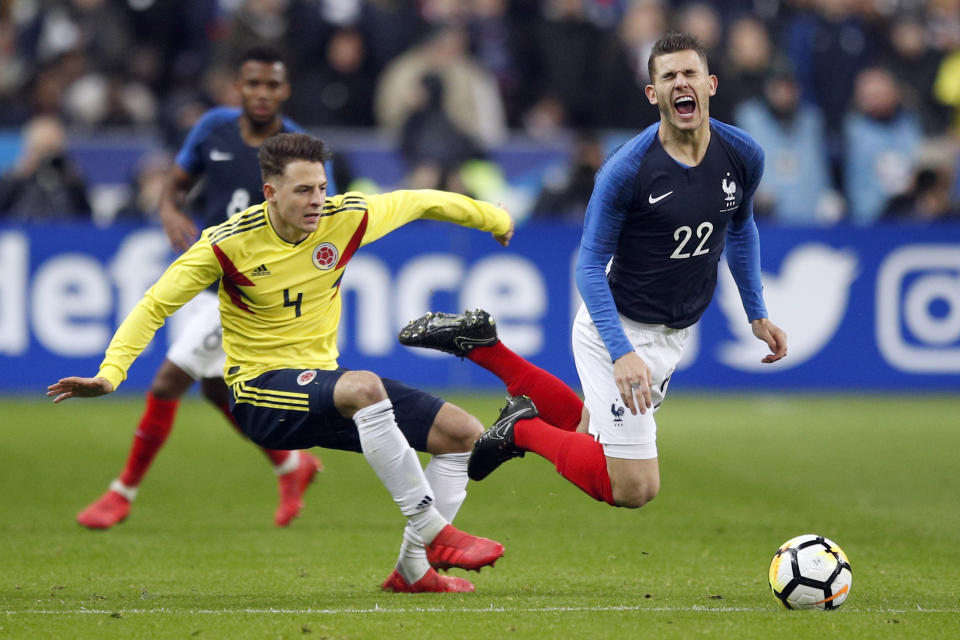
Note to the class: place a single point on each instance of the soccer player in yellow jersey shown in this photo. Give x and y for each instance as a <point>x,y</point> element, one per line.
<point>280,264</point>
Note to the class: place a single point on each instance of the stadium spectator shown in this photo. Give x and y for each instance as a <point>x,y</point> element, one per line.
<point>622,102</point>
<point>565,194</point>
<point>433,146</point>
<point>743,67</point>
<point>881,140</point>
<point>929,199</point>
<point>565,80</point>
<point>628,335</point>
<point>264,23</point>
<point>44,185</point>
<point>946,88</point>
<point>339,91</point>
<point>914,63</point>
<point>828,45</point>
<point>701,20</point>
<point>149,182</point>
<point>471,98</point>
<point>795,188</point>
<point>14,75</point>
<point>221,149</point>
<point>100,29</point>
<point>280,335</point>
<point>499,44</point>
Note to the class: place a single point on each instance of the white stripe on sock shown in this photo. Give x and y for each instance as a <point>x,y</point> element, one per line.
<point>397,466</point>
<point>130,493</point>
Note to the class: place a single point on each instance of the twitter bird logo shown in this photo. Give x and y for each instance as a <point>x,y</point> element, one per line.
<point>808,299</point>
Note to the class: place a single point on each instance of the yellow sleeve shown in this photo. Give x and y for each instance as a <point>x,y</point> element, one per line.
<point>190,274</point>
<point>946,86</point>
<point>392,210</point>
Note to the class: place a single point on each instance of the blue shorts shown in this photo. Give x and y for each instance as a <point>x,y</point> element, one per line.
<point>293,409</point>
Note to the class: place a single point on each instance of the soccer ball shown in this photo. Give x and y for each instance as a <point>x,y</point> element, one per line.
<point>810,572</point>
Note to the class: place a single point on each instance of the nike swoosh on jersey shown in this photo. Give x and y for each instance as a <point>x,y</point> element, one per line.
<point>653,200</point>
<point>219,156</point>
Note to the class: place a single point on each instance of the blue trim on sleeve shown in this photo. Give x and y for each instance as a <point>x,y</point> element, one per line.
<point>743,257</point>
<point>612,198</point>
<point>743,240</point>
<point>188,158</point>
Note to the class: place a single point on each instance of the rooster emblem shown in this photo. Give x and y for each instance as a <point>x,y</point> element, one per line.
<point>729,188</point>
<point>617,412</point>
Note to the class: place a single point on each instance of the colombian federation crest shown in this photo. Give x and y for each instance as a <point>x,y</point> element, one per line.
<point>325,256</point>
<point>306,377</point>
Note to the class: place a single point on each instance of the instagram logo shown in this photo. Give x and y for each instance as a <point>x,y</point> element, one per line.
<point>918,308</point>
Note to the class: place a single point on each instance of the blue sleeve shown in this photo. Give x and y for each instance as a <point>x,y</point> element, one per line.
<point>606,213</point>
<point>743,240</point>
<point>188,158</point>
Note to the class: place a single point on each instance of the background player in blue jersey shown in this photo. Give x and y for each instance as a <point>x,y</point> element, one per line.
<point>221,150</point>
<point>664,207</point>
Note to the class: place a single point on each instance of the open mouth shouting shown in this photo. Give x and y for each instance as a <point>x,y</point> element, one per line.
<point>685,106</point>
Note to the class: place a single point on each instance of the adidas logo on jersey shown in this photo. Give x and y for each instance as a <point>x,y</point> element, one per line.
<point>260,271</point>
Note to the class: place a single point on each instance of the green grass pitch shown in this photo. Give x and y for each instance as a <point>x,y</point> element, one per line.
<point>200,557</point>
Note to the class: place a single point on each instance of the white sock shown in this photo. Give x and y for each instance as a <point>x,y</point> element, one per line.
<point>447,475</point>
<point>130,493</point>
<point>397,466</point>
<point>288,465</point>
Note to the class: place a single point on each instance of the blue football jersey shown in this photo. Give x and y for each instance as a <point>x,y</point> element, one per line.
<point>665,225</point>
<point>215,151</point>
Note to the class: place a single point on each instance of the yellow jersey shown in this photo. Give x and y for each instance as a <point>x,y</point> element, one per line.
<point>280,302</point>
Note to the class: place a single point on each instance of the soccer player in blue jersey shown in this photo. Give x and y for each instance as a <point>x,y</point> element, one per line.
<point>664,207</point>
<point>221,149</point>
<point>279,265</point>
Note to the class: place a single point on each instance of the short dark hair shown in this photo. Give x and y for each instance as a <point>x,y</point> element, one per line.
<point>672,43</point>
<point>263,54</point>
<point>280,150</point>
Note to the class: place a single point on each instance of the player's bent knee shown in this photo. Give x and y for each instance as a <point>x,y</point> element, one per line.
<point>635,493</point>
<point>357,389</point>
<point>453,431</point>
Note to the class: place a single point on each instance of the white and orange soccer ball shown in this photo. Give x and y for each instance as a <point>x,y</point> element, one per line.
<point>810,572</point>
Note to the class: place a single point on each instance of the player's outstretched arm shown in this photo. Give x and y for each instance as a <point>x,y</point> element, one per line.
<point>774,336</point>
<point>74,387</point>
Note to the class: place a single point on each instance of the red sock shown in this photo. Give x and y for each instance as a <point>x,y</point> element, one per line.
<point>556,402</point>
<point>276,456</point>
<point>577,456</point>
<point>152,432</point>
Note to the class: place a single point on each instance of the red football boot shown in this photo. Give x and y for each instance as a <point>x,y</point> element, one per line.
<point>454,548</point>
<point>431,582</point>
<point>109,509</point>
<point>292,487</point>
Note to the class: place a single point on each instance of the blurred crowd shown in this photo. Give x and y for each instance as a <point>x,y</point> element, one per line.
<point>856,102</point>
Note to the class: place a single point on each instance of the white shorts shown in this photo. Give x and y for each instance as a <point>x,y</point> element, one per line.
<point>622,434</point>
<point>198,346</point>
